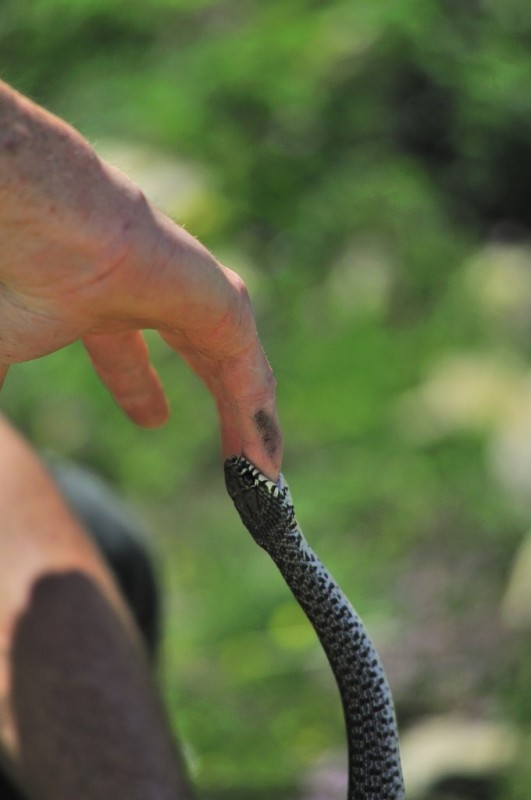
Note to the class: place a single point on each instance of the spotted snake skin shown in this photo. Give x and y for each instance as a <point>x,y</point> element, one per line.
<point>266,510</point>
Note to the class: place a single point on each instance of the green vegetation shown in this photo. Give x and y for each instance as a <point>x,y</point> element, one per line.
<point>365,166</point>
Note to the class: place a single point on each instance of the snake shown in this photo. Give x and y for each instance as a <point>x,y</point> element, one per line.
<point>266,509</point>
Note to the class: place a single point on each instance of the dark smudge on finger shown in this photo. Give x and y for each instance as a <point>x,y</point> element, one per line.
<point>269,432</point>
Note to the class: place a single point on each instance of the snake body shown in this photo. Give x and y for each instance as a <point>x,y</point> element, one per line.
<point>266,509</point>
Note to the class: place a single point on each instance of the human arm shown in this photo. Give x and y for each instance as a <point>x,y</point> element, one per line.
<point>83,255</point>
<point>79,715</point>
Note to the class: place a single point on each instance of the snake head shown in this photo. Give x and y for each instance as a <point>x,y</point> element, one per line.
<point>264,506</point>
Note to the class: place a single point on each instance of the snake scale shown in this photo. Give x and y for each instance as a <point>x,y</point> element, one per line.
<point>266,510</point>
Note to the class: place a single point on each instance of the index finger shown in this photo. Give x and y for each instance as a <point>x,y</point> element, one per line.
<point>243,386</point>
<point>248,381</point>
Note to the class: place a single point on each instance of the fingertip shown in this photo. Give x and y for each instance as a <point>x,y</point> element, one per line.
<point>268,466</point>
<point>265,456</point>
<point>257,437</point>
<point>151,414</point>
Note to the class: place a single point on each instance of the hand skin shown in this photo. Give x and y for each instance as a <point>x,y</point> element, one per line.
<point>79,715</point>
<point>83,255</point>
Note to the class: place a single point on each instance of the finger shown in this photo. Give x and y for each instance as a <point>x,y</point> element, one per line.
<point>249,384</point>
<point>121,360</point>
<point>243,387</point>
<point>252,430</point>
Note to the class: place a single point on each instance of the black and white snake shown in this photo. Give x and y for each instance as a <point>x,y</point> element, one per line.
<point>266,509</point>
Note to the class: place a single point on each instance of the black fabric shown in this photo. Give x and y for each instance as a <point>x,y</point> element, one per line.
<point>8,790</point>
<point>120,539</point>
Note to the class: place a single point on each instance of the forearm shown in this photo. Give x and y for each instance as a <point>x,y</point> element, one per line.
<point>79,716</point>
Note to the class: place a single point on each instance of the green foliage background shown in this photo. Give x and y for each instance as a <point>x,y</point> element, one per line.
<point>365,166</point>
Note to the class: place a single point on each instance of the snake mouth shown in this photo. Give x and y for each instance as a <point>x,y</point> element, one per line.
<point>255,497</point>
<point>241,486</point>
<point>245,472</point>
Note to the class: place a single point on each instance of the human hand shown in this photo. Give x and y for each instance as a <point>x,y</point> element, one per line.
<point>84,256</point>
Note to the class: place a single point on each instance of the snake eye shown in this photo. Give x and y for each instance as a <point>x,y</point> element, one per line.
<point>248,478</point>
